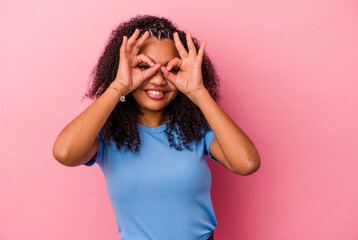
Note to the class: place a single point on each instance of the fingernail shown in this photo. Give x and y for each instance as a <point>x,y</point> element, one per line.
<point>151,64</point>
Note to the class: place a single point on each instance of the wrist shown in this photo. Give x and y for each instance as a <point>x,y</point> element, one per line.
<point>123,90</point>
<point>195,95</point>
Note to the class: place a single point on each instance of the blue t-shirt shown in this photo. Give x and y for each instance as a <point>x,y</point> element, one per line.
<point>159,193</point>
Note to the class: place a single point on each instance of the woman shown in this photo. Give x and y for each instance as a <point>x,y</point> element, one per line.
<point>153,122</point>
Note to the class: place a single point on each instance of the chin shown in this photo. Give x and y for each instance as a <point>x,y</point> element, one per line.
<point>153,108</point>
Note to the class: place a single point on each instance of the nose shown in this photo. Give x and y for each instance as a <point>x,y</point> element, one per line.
<point>158,78</point>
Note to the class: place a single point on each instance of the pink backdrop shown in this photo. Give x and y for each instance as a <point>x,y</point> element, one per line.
<point>289,80</point>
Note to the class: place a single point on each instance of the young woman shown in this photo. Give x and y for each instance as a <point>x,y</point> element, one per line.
<point>154,120</point>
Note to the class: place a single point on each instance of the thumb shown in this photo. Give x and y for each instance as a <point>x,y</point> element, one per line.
<point>168,75</point>
<point>151,71</point>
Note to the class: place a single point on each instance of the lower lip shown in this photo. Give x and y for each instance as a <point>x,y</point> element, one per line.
<point>155,96</point>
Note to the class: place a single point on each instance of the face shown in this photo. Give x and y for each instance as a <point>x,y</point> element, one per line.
<point>156,92</point>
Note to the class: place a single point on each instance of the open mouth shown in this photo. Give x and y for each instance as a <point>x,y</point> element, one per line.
<point>155,94</point>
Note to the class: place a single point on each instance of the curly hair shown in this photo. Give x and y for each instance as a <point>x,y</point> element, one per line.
<point>185,118</point>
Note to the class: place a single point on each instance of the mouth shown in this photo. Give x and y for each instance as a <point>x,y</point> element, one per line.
<point>155,94</point>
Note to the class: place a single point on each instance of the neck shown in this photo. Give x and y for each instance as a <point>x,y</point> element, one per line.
<point>153,119</point>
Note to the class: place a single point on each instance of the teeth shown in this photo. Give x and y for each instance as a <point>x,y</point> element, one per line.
<point>155,92</point>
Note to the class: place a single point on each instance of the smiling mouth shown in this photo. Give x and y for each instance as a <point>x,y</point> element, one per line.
<point>155,94</point>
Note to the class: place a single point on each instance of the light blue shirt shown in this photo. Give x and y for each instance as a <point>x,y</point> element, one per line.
<point>159,193</point>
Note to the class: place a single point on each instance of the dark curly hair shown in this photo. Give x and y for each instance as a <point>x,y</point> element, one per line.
<point>185,118</point>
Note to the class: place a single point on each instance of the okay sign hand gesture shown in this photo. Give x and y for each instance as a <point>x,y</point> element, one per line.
<point>128,74</point>
<point>189,79</point>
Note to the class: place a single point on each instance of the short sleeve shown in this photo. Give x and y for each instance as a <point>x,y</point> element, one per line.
<point>208,138</point>
<point>98,156</point>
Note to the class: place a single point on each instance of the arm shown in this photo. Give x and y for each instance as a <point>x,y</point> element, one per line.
<point>77,142</point>
<point>231,147</point>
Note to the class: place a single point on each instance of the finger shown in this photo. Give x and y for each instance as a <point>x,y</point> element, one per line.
<point>179,45</point>
<point>140,42</point>
<point>191,46</point>
<point>175,62</point>
<point>168,75</point>
<point>122,50</point>
<point>201,52</point>
<point>150,71</point>
<point>141,58</point>
<point>132,40</point>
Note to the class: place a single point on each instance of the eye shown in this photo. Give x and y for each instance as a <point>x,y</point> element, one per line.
<point>175,70</point>
<point>143,67</point>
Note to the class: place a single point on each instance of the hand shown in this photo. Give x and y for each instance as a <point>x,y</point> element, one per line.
<point>128,74</point>
<point>189,79</point>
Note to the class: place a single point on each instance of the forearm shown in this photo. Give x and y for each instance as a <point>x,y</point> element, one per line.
<point>77,137</point>
<point>237,148</point>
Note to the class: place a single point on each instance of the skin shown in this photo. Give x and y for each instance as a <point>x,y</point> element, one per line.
<point>160,52</point>
<point>231,147</point>
<point>77,143</point>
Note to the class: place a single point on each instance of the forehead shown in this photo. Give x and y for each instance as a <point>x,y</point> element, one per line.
<point>159,50</point>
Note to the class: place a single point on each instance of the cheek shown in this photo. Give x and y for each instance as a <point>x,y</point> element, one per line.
<point>174,90</point>
<point>172,86</point>
<point>175,94</point>
<point>135,95</point>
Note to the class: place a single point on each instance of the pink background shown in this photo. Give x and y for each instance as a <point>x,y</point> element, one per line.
<point>289,74</point>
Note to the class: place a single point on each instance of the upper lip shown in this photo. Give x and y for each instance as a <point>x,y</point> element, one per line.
<point>155,89</point>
